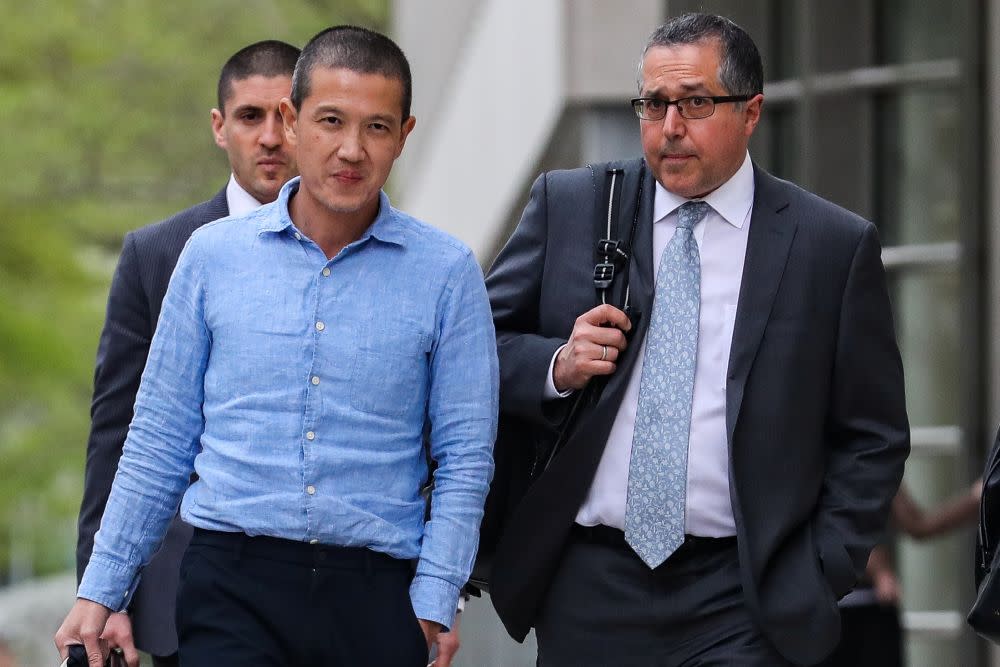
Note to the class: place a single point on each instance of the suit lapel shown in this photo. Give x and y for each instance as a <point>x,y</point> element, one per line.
<point>772,229</point>
<point>218,205</point>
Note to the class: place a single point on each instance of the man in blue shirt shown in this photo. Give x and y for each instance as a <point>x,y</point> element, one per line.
<point>305,354</point>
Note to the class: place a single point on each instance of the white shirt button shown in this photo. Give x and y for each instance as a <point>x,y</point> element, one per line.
<point>310,489</point>
<point>298,237</point>
<point>320,326</point>
<point>315,379</point>
<point>310,436</point>
<point>326,272</point>
<point>313,541</point>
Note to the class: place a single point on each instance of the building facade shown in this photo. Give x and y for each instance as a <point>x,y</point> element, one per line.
<point>883,106</point>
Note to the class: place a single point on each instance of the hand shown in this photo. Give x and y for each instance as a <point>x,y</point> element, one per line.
<point>448,644</point>
<point>118,634</point>
<point>597,340</point>
<point>431,631</point>
<point>84,624</point>
<point>887,587</point>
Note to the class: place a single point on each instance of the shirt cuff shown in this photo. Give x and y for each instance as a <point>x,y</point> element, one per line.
<point>106,583</point>
<point>434,599</point>
<point>550,392</point>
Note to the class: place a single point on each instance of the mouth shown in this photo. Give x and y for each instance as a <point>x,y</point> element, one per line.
<point>348,177</point>
<point>271,164</point>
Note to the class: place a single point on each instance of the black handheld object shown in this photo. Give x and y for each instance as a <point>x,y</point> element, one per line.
<point>984,617</point>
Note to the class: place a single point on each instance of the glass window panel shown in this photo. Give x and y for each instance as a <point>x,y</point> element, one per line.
<point>915,30</point>
<point>932,480</point>
<point>782,59</point>
<point>918,177</point>
<point>842,139</point>
<point>777,147</point>
<point>843,35</point>
<point>925,304</point>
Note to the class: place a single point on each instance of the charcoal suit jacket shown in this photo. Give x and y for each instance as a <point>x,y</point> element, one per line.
<point>147,260</point>
<point>815,416</point>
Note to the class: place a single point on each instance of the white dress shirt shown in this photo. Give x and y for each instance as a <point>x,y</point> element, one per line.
<point>722,244</point>
<point>240,201</point>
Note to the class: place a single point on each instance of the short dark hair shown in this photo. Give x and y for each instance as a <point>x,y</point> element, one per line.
<point>356,49</point>
<point>268,58</point>
<point>740,69</point>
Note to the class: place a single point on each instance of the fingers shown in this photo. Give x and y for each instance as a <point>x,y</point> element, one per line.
<point>118,634</point>
<point>84,625</point>
<point>95,651</point>
<point>597,341</point>
<point>605,315</point>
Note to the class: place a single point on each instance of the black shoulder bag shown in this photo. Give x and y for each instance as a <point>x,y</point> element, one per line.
<point>984,617</point>
<point>522,454</point>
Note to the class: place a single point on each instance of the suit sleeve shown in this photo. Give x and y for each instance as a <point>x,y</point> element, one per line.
<point>121,356</point>
<point>867,426</point>
<point>514,284</point>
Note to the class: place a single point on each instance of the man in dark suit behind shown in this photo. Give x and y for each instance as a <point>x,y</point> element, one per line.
<point>726,486</point>
<point>248,126</point>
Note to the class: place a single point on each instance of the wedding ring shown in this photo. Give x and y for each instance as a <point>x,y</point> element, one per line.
<point>604,352</point>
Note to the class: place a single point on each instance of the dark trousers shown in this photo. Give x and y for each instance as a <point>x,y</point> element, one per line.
<point>870,636</point>
<point>165,660</point>
<point>606,608</point>
<point>269,602</point>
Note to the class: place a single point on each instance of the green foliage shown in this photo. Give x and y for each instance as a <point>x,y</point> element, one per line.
<point>105,107</point>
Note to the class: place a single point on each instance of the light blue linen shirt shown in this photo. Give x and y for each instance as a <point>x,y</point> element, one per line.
<point>301,390</point>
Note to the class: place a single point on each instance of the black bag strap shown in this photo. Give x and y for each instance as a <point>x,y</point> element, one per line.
<point>613,256</point>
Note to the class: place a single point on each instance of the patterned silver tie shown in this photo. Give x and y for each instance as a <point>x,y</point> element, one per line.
<point>657,479</point>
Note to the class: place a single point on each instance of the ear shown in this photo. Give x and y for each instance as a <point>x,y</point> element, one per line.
<point>751,113</point>
<point>289,120</point>
<point>218,120</point>
<point>404,132</point>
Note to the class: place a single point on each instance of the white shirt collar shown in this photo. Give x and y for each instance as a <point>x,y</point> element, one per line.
<point>732,200</point>
<point>240,201</point>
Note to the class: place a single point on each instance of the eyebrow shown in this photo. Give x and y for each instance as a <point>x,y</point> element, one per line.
<point>688,88</point>
<point>382,118</point>
<point>246,107</point>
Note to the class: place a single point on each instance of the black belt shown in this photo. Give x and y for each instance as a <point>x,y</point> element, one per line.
<point>300,553</point>
<point>693,544</point>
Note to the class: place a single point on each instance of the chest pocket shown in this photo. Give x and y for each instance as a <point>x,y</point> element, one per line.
<point>390,375</point>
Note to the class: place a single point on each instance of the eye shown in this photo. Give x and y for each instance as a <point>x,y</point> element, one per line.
<point>332,120</point>
<point>249,115</point>
<point>379,127</point>
<point>654,104</point>
<point>696,102</point>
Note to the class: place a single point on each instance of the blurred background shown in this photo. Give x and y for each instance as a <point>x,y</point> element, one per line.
<point>886,107</point>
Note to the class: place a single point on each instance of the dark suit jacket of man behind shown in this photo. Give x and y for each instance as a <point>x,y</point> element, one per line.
<point>247,126</point>
<point>147,260</point>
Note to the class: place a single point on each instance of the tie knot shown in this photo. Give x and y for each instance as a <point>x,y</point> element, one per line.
<point>691,213</point>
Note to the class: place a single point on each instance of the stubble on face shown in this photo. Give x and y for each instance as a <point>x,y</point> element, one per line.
<point>691,158</point>
<point>251,134</point>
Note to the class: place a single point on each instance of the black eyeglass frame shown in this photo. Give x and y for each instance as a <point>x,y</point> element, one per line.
<point>715,99</point>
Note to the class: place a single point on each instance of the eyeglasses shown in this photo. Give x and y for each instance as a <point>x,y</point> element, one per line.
<point>691,108</point>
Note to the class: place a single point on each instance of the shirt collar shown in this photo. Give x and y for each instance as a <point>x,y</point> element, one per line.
<point>239,201</point>
<point>386,227</point>
<point>732,200</point>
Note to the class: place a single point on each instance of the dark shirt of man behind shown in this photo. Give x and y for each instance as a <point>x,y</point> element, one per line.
<point>247,126</point>
<point>304,355</point>
<point>714,501</point>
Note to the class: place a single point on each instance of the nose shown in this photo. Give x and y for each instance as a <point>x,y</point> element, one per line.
<point>272,134</point>
<point>351,148</point>
<point>673,122</point>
